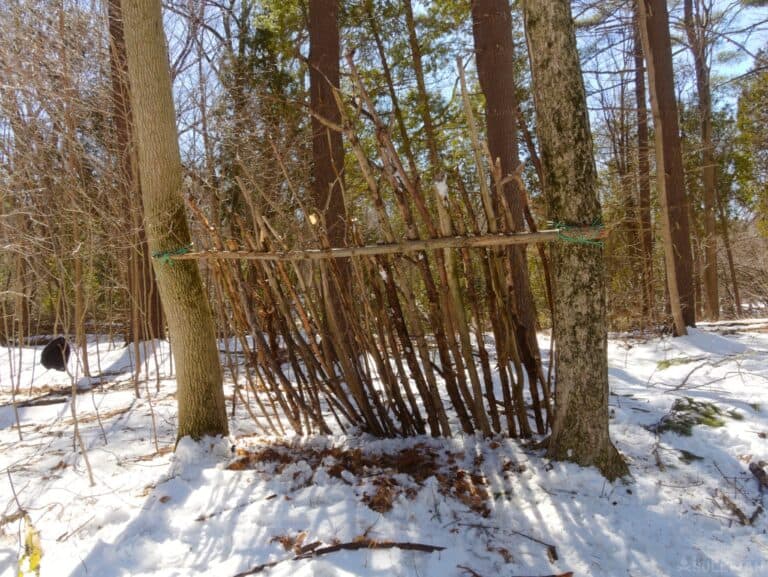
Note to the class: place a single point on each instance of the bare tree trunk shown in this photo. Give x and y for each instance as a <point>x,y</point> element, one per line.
<point>21,309</point>
<point>644,183</point>
<point>236,42</point>
<point>653,20</point>
<point>695,29</point>
<point>327,145</point>
<point>81,337</point>
<point>200,394</point>
<point>146,310</point>
<point>729,256</point>
<point>696,261</point>
<point>328,156</point>
<point>580,430</point>
<point>494,48</point>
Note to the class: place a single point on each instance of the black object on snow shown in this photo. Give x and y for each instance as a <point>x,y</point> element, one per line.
<point>56,354</point>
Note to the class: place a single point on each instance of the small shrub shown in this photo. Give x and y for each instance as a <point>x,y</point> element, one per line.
<point>687,412</point>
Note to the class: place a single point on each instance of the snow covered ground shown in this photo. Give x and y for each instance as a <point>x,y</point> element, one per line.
<point>341,506</point>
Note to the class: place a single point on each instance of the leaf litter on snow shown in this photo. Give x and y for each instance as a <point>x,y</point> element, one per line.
<point>381,476</point>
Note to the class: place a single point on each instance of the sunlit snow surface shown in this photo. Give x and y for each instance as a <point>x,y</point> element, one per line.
<point>153,513</point>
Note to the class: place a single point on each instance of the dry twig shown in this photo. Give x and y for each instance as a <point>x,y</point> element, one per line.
<point>760,475</point>
<point>352,546</point>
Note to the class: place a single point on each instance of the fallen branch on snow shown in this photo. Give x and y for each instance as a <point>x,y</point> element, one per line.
<point>734,508</point>
<point>353,546</point>
<point>551,549</point>
<point>5,519</point>
<point>737,512</point>
<point>474,573</point>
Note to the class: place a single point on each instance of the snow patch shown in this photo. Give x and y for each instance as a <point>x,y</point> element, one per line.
<point>441,186</point>
<point>153,513</point>
<point>701,341</point>
<point>191,456</point>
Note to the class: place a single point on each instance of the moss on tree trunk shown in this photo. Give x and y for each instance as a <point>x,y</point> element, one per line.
<point>580,430</point>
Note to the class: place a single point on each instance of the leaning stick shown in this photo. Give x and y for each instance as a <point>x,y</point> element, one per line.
<point>407,246</point>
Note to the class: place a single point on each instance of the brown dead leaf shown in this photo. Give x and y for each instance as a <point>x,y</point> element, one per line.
<point>146,490</point>
<point>290,542</point>
<point>238,465</point>
<point>248,459</point>
<point>299,542</point>
<point>386,492</point>
<point>514,467</point>
<point>504,552</point>
<point>470,489</point>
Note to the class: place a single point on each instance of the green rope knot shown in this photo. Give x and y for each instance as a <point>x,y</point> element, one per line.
<point>565,233</point>
<point>164,256</point>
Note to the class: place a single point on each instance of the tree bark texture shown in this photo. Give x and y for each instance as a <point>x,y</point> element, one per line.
<point>146,309</point>
<point>580,430</point>
<point>327,145</point>
<point>199,377</point>
<point>494,52</point>
<point>696,31</point>
<point>653,20</point>
<point>328,158</point>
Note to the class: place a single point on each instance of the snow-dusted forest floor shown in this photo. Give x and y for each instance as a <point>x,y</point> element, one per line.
<point>689,414</point>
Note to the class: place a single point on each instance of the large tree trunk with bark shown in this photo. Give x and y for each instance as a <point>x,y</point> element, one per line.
<point>494,51</point>
<point>328,157</point>
<point>199,377</point>
<point>653,21</point>
<point>580,431</point>
<point>146,310</point>
<point>695,28</point>
<point>327,145</point>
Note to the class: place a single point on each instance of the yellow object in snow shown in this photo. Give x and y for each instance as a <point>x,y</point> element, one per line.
<point>29,563</point>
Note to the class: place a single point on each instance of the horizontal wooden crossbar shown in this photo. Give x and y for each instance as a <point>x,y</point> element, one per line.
<point>580,234</point>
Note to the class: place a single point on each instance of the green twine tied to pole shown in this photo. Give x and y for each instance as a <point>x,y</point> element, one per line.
<point>565,234</point>
<point>165,255</point>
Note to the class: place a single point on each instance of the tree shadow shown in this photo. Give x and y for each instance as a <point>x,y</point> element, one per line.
<point>648,526</point>
<point>211,517</point>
